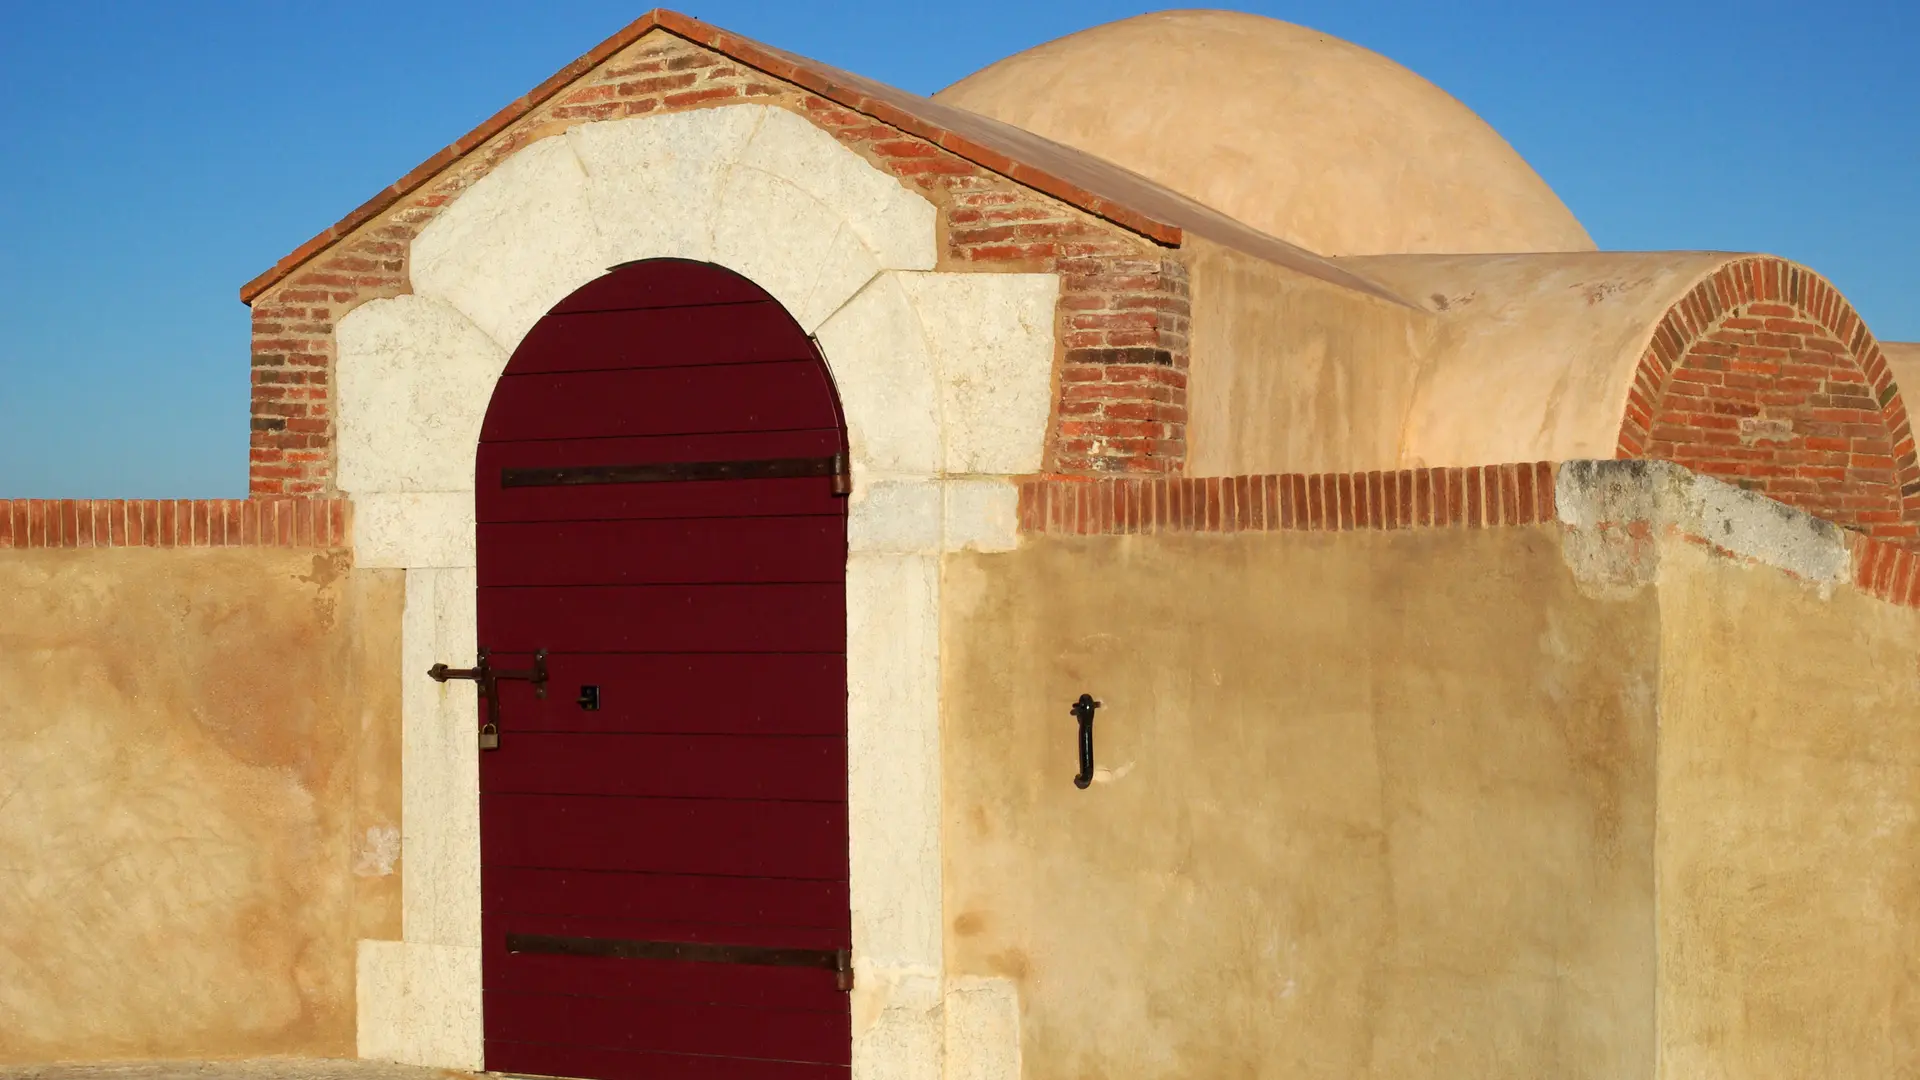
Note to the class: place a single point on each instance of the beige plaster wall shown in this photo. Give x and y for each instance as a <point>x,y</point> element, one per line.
<point>1374,804</point>
<point>1491,358</point>
<point>1532,354</point>
<point>199,799</point>
<point>1289,373</point>
<point>1788,866</point>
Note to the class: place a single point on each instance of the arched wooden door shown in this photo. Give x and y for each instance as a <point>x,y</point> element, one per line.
<point>663,835</point>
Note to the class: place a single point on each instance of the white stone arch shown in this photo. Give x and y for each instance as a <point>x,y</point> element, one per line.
<point>945,380</point>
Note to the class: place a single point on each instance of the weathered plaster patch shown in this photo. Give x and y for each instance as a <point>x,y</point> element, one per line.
<point>376,852</point>
<point>1750,524</point>
<point>1618,512</point>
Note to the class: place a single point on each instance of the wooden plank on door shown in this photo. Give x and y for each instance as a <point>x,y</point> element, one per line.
<point>665,283</point>
<point>810,548</point>
<point>808,768</point>
<point>607,894</point>
<point>785,395</point>
<point>549,1060</point>
<point>675,836</point>
<point>665,618</point>
<point>682,1028</point>
<point>684,693</point>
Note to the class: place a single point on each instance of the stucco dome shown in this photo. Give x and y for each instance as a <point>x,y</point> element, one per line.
<point>1301,135</point>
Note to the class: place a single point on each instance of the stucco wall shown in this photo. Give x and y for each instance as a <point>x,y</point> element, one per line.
<point>1532,355</point>
<point>1371,804</point>
<point>1634,794</point>
<point>1292,374</point>
<point>199,799</point>
<point>1789,856</point>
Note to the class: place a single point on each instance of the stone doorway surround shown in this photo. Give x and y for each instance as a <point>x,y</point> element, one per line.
<point>946,380</point>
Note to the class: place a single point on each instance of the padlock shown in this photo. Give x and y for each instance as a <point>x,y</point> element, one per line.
<point>489,737</point>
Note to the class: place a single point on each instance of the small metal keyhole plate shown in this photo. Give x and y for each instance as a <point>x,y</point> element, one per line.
<point>589,698</point>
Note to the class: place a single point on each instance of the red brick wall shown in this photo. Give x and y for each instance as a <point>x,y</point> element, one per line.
<point>1887,570</point>
<point>1764,377</point>
<point>1123,308</point>
<point>1478,497</point>
<point>1123,379</point>
<point>1123,312</point>
<point>101,523</point>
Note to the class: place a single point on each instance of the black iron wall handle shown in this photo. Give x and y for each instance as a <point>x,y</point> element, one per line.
<point>1083,711</point>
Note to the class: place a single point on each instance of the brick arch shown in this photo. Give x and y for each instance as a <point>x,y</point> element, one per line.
<point>1765,376</point>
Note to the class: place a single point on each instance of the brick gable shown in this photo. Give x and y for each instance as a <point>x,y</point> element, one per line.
<point>1122,314</point>
<point>1765,377</point>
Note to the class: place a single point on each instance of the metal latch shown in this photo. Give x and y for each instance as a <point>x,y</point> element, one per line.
<point>488,678</point>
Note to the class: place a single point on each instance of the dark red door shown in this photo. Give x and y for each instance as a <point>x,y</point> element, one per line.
<point>663,836</point>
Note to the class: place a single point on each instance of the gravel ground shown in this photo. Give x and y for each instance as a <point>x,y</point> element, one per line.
<point>252,1069</point>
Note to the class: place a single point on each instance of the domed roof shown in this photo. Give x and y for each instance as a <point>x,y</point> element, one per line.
<point>1301,135</point>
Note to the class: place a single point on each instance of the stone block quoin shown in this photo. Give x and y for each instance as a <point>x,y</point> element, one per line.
<point>1124,309</point>
<point>1764,376</point>
<point>1122,318</point>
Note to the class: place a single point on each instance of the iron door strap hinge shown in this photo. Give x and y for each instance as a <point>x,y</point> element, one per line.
<point>671,472</point>
<point>838,961</point>
<point>488,679</point>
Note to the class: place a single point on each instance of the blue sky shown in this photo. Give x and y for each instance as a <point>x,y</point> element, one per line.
<point>162,154</point>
